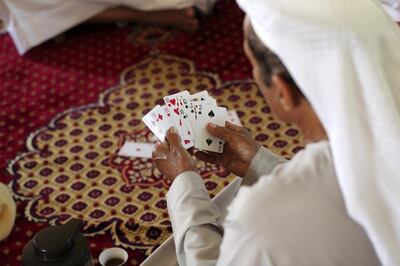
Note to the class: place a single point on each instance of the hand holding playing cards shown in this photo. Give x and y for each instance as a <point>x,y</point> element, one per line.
<point>239,150</point>
<point>171,158</point>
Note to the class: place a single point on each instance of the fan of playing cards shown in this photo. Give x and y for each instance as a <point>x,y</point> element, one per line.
<point>189,114</point>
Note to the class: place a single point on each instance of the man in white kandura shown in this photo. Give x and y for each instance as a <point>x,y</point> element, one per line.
<point>33,22</point>
<point>331,67</point>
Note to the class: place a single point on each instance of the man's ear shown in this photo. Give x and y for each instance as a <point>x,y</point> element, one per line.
<point>288,97</point>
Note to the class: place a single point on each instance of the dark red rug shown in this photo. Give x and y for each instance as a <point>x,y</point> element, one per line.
<point>66,108</point>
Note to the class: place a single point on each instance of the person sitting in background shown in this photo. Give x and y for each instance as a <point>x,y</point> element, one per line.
<point>331,68</point>
<point>31,23</point>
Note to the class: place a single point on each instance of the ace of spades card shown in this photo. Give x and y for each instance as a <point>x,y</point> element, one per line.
<point>204,140</point>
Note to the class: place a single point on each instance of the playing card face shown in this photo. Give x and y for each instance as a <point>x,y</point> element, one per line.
<point>234,118</point>
<point>189,114</point>
<point>174,106</point>
<point>136,149</point>
<point>200,96</point>
<point>203,139</point>
<point>186,104</point>
<point>188,108</point>
<point>186,118</point>
<point>158,122</point>
<point>198,106</point>
<point>166,110</point>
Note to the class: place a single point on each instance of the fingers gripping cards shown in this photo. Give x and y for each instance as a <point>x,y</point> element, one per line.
<point>209,114</point>
<point>190,115</point>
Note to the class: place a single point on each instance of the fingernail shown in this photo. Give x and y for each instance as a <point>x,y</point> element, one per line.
<point>174,130</point>
<point>212,125</point>
<point>160,158</point>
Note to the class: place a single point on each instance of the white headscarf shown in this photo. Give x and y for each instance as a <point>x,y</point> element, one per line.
<point>392,7</point>
<point>345,57</point>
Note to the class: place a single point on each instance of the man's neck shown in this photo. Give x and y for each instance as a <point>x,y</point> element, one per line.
<point>310,125</point>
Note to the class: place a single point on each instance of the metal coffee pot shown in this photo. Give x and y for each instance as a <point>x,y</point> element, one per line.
<point>61,245</point>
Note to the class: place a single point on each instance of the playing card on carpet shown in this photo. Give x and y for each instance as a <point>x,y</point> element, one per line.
<point>203,139</point>
<point>136,149</point>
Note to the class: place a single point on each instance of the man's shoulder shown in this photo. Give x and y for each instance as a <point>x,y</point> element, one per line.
<point>304,184</point>
<point>298,214</point>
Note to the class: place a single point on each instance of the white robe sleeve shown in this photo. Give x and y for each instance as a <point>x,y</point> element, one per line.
<point>196,220</point>
<point>197,230</point>
<point>198,233</point>
<point>262,164</point>
<point>241,248</point>
<point>295,215</point>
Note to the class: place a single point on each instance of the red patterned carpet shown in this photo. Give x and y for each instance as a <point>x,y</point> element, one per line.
<point>65,109</point>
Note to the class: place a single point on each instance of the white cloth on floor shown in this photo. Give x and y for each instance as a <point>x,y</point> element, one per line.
<point>7,212</point>
<point>344,56</point>
<point>152,5</point>
<point>293,215</point>
<point>392,7</point>
<point>32,22</point>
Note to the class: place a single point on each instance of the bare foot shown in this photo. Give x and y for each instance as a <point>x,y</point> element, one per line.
<point>191,22</point>
<point>184,19</point>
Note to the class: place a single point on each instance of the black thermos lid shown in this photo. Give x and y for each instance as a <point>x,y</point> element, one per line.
<point>57,245</point>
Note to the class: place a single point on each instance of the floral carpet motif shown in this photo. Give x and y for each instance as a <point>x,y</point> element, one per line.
<point>72,168</point>
<point>153,36</point>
